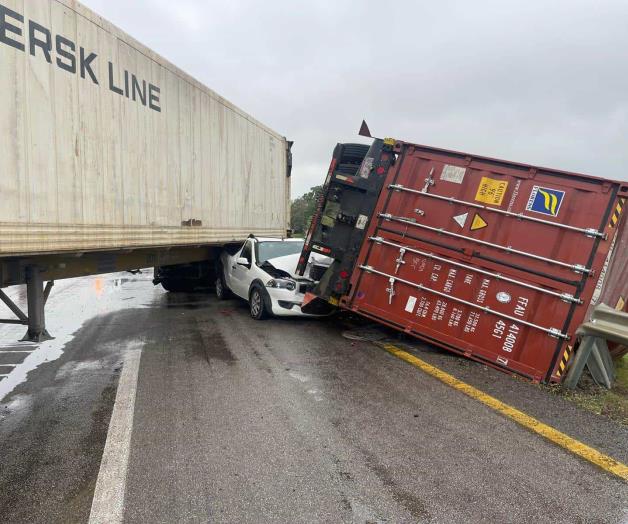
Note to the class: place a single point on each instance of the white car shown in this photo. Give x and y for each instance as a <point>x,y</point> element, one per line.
<point>263,272</point>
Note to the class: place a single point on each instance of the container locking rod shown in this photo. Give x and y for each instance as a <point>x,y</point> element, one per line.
<point>551,331</point>
<point>577,268</point>
<point>566,297</point>
<point>589,232</point>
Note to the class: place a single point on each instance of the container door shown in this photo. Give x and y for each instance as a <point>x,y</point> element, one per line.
<point>493,260</point>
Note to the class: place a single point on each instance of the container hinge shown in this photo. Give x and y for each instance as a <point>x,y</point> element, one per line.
<point>396,187</point>
<point>557,333</point>
<point>400,260</point>
<point>379,240</point>
<point>385,216</point>
<point>391,290</point>
<point>420,212</point>
<point>579,268</point>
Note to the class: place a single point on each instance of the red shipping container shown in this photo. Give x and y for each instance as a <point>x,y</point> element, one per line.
<point>495,260</point>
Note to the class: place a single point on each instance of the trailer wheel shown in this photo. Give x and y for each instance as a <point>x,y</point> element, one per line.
<point>222,291</point>
<point>257,304</point>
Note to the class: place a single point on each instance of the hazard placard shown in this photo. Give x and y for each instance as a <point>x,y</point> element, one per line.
<point>461,220</point>
<point>491,191</point>
<point>478,223</point>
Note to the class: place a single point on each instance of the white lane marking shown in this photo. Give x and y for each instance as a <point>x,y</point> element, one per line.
<point>108,501</point>
<point>299,377</point>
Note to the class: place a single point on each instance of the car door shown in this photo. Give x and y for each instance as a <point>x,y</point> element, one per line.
<point>241,275</point>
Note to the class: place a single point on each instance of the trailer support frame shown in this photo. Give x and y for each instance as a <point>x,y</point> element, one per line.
<point>36,298</point>
<point>21,317</point>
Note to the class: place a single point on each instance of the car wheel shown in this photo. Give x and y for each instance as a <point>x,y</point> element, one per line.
<point>257,304</point>
<point>222,291</point>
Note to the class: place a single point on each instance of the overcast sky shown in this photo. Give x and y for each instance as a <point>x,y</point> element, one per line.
<point>536,81</point>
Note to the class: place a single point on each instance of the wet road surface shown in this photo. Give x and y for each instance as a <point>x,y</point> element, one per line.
<point>276,421</point>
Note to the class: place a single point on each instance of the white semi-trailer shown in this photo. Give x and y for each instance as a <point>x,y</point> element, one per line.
<point>112,158</point>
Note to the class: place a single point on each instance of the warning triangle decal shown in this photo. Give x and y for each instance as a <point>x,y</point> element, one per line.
<point>478,223</point>
<point>461,220</point>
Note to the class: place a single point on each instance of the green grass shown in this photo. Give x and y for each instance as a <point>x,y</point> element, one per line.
<point>612,404</point>
<point>621,367</point>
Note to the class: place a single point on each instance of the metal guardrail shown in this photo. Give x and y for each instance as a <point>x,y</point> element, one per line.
<point>606,325</point>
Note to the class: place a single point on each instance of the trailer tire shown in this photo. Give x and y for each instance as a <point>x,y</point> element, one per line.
<point>222,290</point>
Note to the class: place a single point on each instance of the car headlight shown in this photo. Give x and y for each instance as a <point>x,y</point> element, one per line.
<point>281,283</point>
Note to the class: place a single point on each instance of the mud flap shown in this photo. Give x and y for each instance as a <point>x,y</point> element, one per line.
<point>314,305</point>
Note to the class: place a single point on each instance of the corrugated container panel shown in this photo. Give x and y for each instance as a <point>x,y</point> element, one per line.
<point>498,261</point>
<point>87,168</point>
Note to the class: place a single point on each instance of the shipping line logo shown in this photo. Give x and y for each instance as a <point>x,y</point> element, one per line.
<point>30,37</point>
<point>545,201</point>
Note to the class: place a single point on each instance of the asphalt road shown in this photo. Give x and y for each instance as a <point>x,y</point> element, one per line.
<point>275,421</point>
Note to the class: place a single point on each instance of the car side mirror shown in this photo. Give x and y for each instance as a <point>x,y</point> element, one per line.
<point>243,262</point>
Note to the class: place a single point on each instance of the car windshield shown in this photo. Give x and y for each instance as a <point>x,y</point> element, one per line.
<point>268,250</point>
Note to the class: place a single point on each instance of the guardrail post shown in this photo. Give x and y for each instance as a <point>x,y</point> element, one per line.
<point>579,362</point>
<point>606,325</point>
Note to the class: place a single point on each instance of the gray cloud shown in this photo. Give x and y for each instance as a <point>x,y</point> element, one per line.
<point>542,82</point>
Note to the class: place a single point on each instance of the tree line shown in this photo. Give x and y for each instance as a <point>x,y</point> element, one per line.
<point>303,209</point>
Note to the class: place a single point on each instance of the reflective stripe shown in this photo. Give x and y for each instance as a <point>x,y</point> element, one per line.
<point>563,362</point>
<point>617,213</point>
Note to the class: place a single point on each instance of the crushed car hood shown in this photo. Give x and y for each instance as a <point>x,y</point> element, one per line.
<point>287,266</point>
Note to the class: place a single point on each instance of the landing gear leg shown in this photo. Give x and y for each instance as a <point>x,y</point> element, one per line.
<point>36,297</point>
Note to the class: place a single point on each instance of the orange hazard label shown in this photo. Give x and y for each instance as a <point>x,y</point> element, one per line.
<point>491,191</point>
<point>478,223</point>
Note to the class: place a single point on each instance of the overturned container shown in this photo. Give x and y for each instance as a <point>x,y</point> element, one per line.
<point>495,260</point>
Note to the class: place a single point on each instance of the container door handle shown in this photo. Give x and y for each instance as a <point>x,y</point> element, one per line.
<point>391,290</point>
